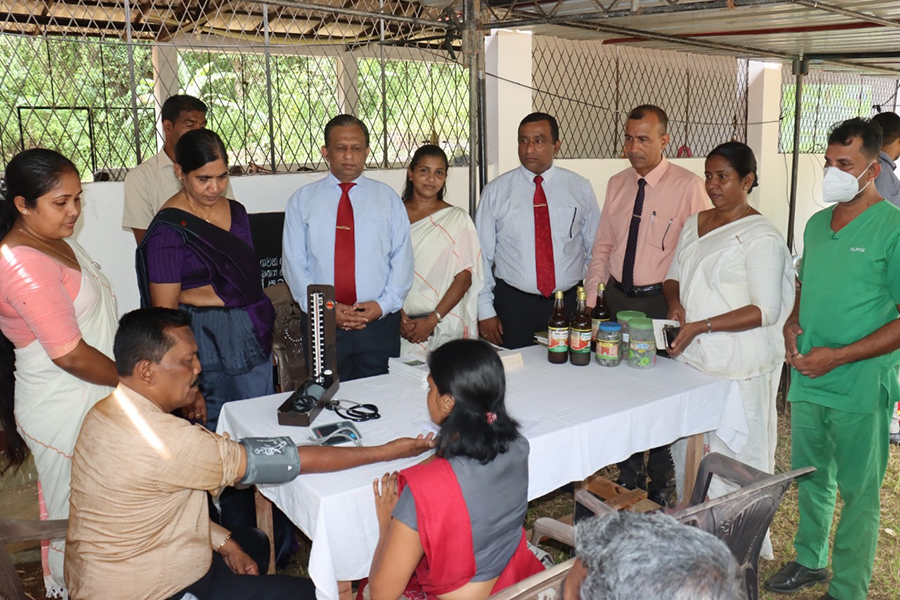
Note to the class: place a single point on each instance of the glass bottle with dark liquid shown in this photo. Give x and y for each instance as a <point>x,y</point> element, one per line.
<point>558,332</point>
<point>580,332</point>
<point>601,314</point>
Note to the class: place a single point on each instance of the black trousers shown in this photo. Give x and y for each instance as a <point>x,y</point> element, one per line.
<point>522,314</point>
<point>220,582</point>
<point>365,352</point>
<point>659,470</point>
<point>239,512</point>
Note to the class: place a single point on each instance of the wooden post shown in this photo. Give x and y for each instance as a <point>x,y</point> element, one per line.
<point>692,465</point>
<point>264,522</point>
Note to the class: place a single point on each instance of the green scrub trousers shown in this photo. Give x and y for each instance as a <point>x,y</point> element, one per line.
<point>850,452</point>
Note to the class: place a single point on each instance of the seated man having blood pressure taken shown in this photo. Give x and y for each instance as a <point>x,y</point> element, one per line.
<point>139,524</point>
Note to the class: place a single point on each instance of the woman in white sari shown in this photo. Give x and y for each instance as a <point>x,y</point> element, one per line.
<point>731,286</point>
<point>442,304</point>
<point>58,319</point>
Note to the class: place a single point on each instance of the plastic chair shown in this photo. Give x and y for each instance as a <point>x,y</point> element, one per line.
<point>13,531</point>
<point>287,339</point>
<point>740,518</point>
<point>546,585</point>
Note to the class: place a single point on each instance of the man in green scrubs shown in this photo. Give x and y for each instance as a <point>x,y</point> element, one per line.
<point>841,340</point>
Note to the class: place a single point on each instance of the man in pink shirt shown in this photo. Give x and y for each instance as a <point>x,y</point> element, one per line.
<point>645,208</point>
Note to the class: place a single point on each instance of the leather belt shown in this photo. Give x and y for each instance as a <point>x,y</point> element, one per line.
<point>640,291</point>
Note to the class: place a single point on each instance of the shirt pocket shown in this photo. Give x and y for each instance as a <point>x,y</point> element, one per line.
<point>564,221</point>
<point>372,236</point>
<point>665,226</point>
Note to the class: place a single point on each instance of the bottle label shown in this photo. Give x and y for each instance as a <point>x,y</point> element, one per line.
<point>607,350</point>
<point>557,339</point>
<point>595,327</point>
<point>580,341</point>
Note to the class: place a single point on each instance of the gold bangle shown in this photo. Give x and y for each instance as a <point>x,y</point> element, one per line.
<point>225,541</point>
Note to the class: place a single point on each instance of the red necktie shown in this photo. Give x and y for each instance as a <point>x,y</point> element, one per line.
<point>543,242</point>
<point>345,250</point>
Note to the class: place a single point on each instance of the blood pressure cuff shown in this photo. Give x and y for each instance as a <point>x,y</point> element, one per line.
<point>270,460</point>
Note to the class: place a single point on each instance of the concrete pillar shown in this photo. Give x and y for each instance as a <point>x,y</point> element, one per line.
<point>507,54</point>
<point>763,111</point>
<point>165,83</point>
<point>348,84</point>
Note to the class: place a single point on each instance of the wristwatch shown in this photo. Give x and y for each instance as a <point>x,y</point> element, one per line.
<point>440,318</point>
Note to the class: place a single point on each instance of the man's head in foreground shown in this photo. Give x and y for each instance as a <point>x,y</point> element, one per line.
<point>654,557</point>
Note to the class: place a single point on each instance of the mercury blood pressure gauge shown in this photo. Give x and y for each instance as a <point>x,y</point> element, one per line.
<point>321,361</point>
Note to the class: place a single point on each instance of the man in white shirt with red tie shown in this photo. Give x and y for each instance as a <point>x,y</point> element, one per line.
<point>352,232</point>
<point>536,225</point>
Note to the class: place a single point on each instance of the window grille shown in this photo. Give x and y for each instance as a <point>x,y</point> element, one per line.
<point>89,78</point>
<point>828,98</point>
<point>590,88</point>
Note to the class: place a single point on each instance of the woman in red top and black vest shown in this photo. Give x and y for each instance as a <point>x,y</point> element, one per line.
<point>455,530</point>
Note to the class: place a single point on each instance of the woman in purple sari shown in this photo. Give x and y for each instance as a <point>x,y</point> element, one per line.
<point>198,255</point>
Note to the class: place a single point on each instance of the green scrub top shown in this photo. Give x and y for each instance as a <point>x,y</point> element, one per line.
<point>851,288</point>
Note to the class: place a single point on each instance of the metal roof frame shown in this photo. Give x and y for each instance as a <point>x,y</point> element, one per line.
<point>641,24</point>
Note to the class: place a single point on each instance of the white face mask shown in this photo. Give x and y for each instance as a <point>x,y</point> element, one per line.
<point>840,186</point>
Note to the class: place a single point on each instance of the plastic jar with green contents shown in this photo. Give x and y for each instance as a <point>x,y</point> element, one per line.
<point>642,347</point>
<point>609,345</point>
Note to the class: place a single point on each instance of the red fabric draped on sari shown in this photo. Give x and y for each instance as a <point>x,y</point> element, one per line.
<point>445,531</point>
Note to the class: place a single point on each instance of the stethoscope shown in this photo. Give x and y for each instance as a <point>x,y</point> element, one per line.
<point>354,411</point>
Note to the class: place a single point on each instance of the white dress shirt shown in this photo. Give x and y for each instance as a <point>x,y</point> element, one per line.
<point>384,256</point>
<point>505,225</point>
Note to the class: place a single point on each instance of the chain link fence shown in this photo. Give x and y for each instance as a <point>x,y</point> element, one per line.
<point>590,88</point>
<point>829,97</point>
<point>89,78</point>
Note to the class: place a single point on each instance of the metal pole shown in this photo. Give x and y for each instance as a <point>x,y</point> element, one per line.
<point>133,81</point>
<point>482,126</point>
<point>472,10</point>
<point>384,111</point>
<point>800,70</point>
<point>269,88</point>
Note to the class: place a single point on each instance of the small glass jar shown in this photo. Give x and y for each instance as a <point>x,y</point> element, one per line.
<point>642,345</point>
<point>609,345</point>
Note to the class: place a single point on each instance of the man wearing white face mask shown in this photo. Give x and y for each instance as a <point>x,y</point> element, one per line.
<point>841,340</point>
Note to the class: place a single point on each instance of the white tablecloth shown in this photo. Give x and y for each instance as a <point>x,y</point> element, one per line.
<point>577,420</point>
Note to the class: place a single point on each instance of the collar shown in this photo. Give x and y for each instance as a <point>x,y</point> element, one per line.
<point>141,402</point>
<point>887,159</point>
<point>655,175</point>
<point>163,161</point>
<point>547,175</point>
<point>333,181</point>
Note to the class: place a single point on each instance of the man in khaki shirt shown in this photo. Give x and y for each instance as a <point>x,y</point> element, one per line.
<point>139,525</point>
<point>150,184</point>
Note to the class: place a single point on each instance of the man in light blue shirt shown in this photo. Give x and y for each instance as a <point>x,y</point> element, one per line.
<point>888,185</point>
<point>352,232</point>
<point>516,245</point>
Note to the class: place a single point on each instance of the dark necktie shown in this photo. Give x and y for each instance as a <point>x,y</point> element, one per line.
<point>631,247</point>
<point>345,250</point>
<point>543,242</point>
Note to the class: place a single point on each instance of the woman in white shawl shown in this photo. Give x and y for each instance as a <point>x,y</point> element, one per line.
<point>442,304</point>
<point>58,319</point>
<point>731,286</point>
